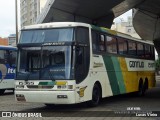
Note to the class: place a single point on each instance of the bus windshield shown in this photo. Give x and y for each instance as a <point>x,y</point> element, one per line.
<point>44,63</point>
<point>47,35</point>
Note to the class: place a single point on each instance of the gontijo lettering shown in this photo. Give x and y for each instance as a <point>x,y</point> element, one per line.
<point>136,64</point>
<point>151,65</point>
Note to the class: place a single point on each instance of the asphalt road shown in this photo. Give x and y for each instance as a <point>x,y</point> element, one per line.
<point>119,104</point>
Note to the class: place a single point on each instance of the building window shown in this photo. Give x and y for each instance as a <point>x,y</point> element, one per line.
<point>129,30</point>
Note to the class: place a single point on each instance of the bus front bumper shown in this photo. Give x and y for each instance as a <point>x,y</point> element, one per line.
<point>47,97</point>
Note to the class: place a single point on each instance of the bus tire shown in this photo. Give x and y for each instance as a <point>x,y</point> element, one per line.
<point>2,91</point>
<point>146,84</point>
<point>96,96</point>
<point>142,89</point>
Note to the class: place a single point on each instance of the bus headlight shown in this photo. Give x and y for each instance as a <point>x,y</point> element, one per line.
<point>63,85</point>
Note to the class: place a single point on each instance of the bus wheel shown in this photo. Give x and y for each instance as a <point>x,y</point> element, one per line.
<point>145,86</point>
<point>2,92</point>
<point>96,95</point>
<point>141,91</point>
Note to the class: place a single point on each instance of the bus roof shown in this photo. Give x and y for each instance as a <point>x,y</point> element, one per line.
<point>119,34</point>
<point>74,24</point>
<point>7,47</point>
<point>55,25</point>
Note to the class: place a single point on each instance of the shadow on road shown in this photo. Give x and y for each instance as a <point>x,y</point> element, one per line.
<point>8,92</point>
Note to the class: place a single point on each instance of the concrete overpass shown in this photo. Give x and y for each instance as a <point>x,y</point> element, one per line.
<point>146,19</point>
<point>98,12</point>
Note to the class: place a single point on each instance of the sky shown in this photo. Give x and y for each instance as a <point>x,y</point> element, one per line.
<point>123,16</point>
<point>7,17</point>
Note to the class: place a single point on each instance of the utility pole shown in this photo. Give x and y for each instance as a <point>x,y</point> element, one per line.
<point>16,20</point>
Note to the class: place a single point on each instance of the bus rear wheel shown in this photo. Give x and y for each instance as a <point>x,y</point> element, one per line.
<point>142,89</point>
<point>96,95</point>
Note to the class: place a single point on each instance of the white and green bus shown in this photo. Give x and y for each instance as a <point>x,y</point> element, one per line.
<point>69,63</point>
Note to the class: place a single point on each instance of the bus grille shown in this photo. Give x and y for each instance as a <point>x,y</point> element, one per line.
<point>40,86</point>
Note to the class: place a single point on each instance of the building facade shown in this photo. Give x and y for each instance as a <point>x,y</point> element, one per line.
<point>3,41</point>
<point>29,11</point>
<point>12,40</point>
<point>125,27</point>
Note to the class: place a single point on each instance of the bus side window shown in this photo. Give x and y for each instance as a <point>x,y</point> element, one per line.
<point>140,50</point>
<point>82,63</point>
<point>82,35</point>
<point>13,55</point>
<point>7,57</point>
<point>152,53</point>
<point>148,52</point>
<point>79,64</point>
<point>2,58</point>
<point>132,48</point>
<point>111,44</point>
<point>94,42</point>
<point>122,46</point>
<point>101,43</point>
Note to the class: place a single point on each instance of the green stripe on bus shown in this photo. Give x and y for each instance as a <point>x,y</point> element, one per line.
<point>99,29</point>
<point>119,75</point>
<point>103,29</point>
<point>111,74</point>
<point>46,83</point>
